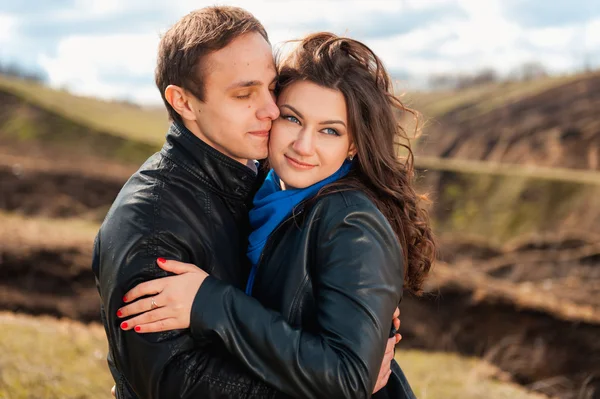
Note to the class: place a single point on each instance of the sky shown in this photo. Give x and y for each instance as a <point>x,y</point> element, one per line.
<point>107,48</point>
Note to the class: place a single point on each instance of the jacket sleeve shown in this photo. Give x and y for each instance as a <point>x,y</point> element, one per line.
<point>358,284</point>
<point>160,365</point>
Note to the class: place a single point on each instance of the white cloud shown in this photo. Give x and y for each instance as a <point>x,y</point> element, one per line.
<point>82,63</point>
<point>592,35</point>
<point>7,26</point>
<point>552,38</point>
<point>478,35</point>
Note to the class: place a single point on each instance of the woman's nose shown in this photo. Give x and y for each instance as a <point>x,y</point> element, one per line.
<point>305,143</point>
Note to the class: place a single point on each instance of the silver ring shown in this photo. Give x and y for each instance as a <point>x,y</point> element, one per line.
<point>153,305</point>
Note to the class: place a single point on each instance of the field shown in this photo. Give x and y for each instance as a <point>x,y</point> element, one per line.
<point>48,358</point>
<point>514,298</point>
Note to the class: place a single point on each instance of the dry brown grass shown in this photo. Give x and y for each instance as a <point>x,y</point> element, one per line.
<point>549,296</point>
<point>23,233</point>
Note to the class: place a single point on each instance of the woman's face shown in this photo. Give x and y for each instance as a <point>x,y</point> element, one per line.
<point>310,140</point>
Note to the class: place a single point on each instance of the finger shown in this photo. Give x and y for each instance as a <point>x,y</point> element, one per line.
<point>383,376</point>
<point>387,377</point>
<point>398,338</point>
<point>396,324</point>
<point>140,306</point>
<point>387,359</point>
<point>385,369</point>
<point>158,326</point>
<point>396,313</point>
<point>151,287</point>
<point>148,317</point>
<point>389,346</point>
<point>113,391</point>
<point>176,267</point>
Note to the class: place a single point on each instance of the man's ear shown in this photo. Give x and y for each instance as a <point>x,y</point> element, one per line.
<point>180,101</point>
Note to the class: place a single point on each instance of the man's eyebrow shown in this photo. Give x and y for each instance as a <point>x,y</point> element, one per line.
<point>248,83</point>
<point>244,83</point>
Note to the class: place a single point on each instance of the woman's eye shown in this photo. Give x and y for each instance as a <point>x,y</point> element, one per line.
<point>291,118</point>
<point>331,131</point>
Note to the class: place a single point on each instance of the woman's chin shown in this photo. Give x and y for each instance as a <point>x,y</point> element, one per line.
<point>293,182</point>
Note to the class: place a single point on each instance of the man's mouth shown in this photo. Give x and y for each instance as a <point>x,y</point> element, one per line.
<point>260,133</point>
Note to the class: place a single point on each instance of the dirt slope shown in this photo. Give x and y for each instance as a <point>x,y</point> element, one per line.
<point>558,127</point>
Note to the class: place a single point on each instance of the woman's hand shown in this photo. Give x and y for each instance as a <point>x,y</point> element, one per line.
<point>168,302</point>
<point>385,371</point>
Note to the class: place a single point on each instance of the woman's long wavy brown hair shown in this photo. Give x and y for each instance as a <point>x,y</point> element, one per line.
<point>373,116</point>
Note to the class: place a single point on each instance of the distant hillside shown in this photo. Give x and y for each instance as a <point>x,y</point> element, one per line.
<point>552,122</point>
<point>117,118</point>
<point>39,122</point>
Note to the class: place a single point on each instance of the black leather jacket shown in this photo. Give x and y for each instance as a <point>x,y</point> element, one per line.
<point>189,202</point>
<point>325,288</point>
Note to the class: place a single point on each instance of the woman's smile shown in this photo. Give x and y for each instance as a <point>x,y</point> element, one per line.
<point>297,164</point>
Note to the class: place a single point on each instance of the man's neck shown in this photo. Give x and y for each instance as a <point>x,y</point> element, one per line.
<point>195,130</point>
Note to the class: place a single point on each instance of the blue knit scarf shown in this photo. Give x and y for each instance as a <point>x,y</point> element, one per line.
<point>272,206</point>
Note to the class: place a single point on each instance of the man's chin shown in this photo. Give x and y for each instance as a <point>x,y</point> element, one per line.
<point>259,154</point>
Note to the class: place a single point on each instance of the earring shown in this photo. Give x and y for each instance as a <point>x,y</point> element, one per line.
<point>350,157</point>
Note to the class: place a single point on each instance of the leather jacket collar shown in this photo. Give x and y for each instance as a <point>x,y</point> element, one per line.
<point>220,173</point>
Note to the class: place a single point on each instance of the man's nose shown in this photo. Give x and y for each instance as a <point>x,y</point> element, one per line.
<point>269,109</point>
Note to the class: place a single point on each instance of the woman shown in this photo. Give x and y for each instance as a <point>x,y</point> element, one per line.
<point>337,234</point>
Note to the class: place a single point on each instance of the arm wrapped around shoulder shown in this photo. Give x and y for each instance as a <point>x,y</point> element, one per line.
<point>357,280</point>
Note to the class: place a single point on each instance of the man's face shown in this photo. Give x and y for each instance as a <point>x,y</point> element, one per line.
<point>239,105</point>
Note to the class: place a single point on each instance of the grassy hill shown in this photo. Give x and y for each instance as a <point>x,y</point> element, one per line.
<point>551,122</point>
<point>125,120</point>
<point>484,98</point>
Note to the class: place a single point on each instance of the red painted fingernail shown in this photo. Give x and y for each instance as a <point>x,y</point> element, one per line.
<point>124,299</point>
<point>119,313</point>
<point>161,260</point>
<point>138,328</point>
<point>124,324</point>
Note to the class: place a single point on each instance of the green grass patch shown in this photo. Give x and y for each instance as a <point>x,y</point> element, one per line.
<point>27,124</point>
<point>449,376</point>
<point>582,176</point>
<point>47,358</point>
<point>502,202</point>
<point>147,125</point>
<point>43,358</point>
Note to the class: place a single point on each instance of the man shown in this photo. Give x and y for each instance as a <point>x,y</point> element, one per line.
<point>190,202</point>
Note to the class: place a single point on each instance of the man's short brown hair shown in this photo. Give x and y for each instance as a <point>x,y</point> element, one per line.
<point>194,36</point>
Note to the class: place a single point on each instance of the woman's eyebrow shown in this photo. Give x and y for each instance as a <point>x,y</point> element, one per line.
<point>293,110</point>
<point>332,121</point>
<point>328,122</point>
